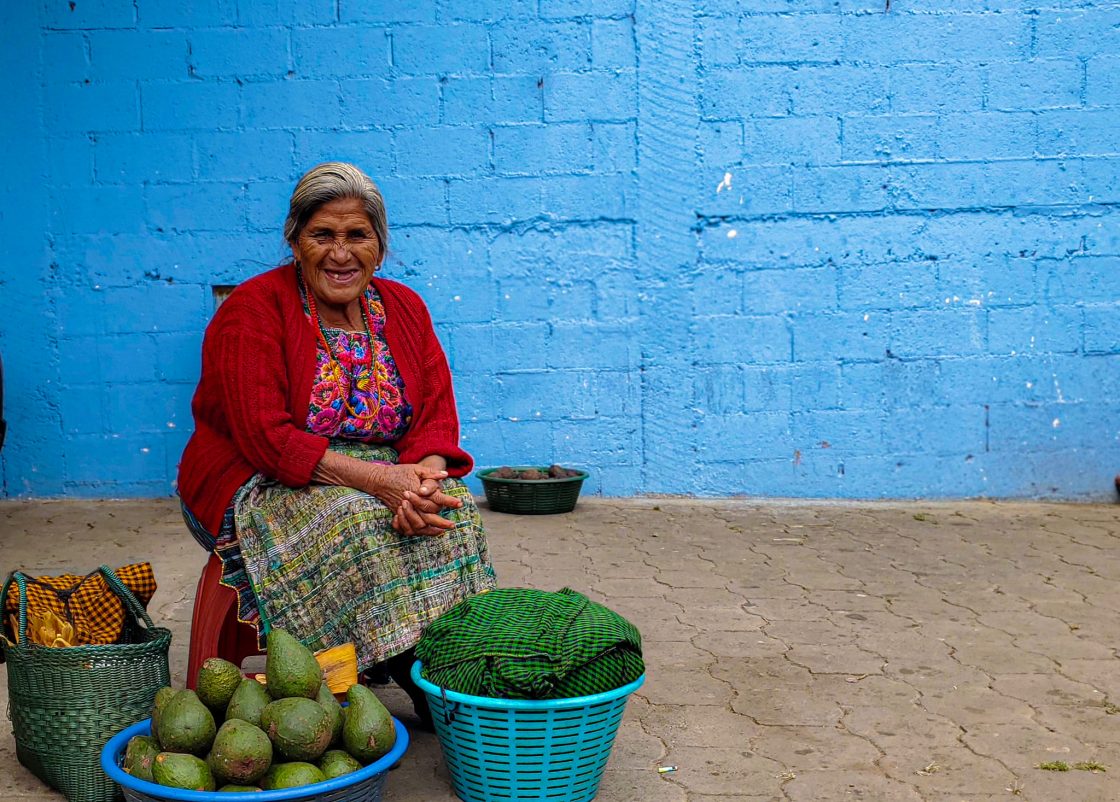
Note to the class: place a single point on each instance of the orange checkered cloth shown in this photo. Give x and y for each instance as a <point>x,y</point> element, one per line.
<point>87,602</point>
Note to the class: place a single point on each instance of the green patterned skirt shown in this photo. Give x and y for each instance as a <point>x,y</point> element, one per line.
<point>326,564</point>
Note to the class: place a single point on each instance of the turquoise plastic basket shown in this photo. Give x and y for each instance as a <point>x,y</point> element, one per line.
<point>518,749</point>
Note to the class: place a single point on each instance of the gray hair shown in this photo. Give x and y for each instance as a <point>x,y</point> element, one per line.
<point>332,181</point>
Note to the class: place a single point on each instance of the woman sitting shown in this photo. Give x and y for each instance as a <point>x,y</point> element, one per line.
<point>324,462</point>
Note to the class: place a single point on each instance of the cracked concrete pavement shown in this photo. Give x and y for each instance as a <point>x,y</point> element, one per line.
<point>919,651</point>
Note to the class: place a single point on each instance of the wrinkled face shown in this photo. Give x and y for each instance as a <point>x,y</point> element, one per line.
<point>338,251</point>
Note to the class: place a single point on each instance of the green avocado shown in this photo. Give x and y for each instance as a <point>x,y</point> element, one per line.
<point>368,731</point>
<point>291,775</point>
<point>335,763</point>
<point>291,668</point>
<point>139,755</point>
<point>241,753</point>
<point>163,696</point>
<point>300,729</point>
<point>232,789</point>
<point>217,680</point>
<point>186,725</point>
<point>247,702</point>
<point>176,770</point>
<point>334,710</point>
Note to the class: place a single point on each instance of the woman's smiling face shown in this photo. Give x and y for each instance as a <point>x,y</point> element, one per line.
<point>338,252</point>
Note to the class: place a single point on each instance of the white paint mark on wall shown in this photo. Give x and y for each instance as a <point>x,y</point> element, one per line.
<point>1057,422</point>
<point>732,234</point>
<point>1058,390</point>
<point>457,298</point>
<point>724,184</point>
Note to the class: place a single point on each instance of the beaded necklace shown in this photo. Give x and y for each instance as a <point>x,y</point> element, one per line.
<point>336,364</point>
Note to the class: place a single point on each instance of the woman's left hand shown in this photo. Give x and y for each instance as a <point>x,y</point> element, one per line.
<point>418,515</point>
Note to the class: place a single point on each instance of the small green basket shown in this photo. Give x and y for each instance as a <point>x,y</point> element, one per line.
<point>531,496</point>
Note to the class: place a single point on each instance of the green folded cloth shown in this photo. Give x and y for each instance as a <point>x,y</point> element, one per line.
<point>520,643</point>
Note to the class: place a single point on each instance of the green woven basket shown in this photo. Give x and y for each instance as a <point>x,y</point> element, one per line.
<point>531,496</point>
<point>65,703</point>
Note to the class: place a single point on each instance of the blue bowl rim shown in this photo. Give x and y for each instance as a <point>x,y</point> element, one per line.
<point>523,704</point>
<point>115,747</point>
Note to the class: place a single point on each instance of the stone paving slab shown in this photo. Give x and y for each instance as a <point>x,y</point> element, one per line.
<point>934,652</point>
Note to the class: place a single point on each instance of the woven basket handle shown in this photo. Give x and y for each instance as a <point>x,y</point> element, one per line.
<point>21,582</point>
<point>125,595</point>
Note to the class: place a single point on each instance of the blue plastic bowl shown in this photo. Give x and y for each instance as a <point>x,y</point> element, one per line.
<point>525,749</point>
<point>363,785</point>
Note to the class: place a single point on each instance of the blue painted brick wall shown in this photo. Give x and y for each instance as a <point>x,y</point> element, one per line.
<point>814,248</point>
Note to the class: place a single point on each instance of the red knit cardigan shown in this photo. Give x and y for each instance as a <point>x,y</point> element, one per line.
<point>258,365</point>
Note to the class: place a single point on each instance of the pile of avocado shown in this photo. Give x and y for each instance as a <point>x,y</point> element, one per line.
<point>279,736</point>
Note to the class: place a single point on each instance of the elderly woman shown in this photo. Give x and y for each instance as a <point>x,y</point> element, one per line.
<point>324,462</point>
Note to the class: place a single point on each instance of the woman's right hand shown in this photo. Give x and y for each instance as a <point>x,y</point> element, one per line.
<point>398,487</point>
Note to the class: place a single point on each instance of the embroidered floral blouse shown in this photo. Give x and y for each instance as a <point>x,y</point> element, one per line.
<point>359,395</point>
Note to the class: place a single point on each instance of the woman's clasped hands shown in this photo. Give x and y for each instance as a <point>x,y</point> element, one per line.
<point>413,492</point>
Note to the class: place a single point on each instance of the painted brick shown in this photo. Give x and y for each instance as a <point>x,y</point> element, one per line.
<point>936,430</point>
<point>737,437</point>
<point>372,151</point>
<point>942,332</point>
<point>521,47</point>
<point>748,191</point>
<point>936,37</point>
<point>717,290</point>
<point>415,201</point>
<point>91,210</point>
<point>535,149</point>
<point>1042,84</point>
<point>1078,33</point>
<point>341,51</point>
<point>181,363</point>
<point>290,104</point>
<point>800,140</point>
<point>588,197</point>
<point>262,13</point>
<point>590,345</point>
<point>196,207</point>
<point>847,431</point>
<point>823,90</point>
<point>744,93</point>
<point>903,285</point>
<point>612,44</point>
<point>93,107</point>
<point>246,155</point>
<point>172,14</point>
<point>241,53</point>
<point>613,147</point>
<point>840,189</point>
<point>68,55</point>
<point>514,98</point>
<point>139,54</point>
<point>720,145</point>
<point>106,459</point>
<point>936,88</point>
<point>70,160</point>
<point>1089,279</point>
<point>1102,335</point>
<point>403,11</point>
<point>80,408</point>
<point>135,159</point>
<point>486,10</point>
<point>598,441</point>
<point>798,290</point>
<point>454,49</point>
<point>378,102</point>
<point>95,14</point>
<point>791,39</point>
<point>1077,132</point>
<point>159,307</point>
<point>984,135</point>
<point>568,9</point>
<point>1102,81</point>
<point>589,95</point>
<point>739,339</point>
<point>441,151</point>
<point>719,41</point>
<point>193,105</point>
<point>840,336</point>
<point>890,137</point>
